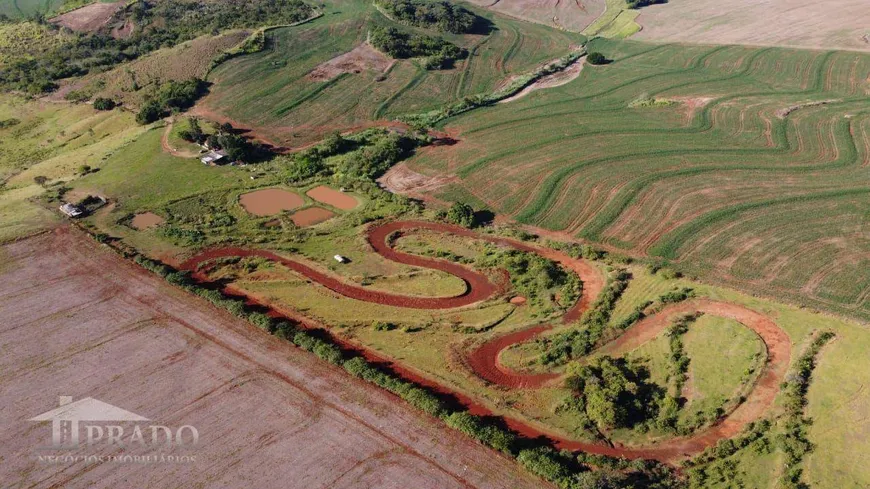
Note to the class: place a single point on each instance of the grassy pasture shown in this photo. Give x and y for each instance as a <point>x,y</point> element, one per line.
<point>50,141</point>
<point>755,172</point>
<point>270,90</point>
<point>27,8</point>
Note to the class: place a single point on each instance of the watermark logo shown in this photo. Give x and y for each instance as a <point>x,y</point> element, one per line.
<point>90,422</point>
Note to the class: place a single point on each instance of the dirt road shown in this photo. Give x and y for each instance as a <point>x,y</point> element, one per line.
<point>484,361</point>
<point>79,321</point>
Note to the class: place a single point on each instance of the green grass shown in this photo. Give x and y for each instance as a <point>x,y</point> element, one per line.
<point>271,89</point>
<point>16,9</point>
<point>51,141</point>
<point>739,180</point>
<point>617,21</point>
<point>722,353</point>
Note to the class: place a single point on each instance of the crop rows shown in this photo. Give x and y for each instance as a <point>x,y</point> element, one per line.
<point>758,156</point>
<point>272,88</point>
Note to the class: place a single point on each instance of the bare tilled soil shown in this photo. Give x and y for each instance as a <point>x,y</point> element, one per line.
<point>79,321</point>
<point>801,23</point>
<point>573,15</point>
<point>89,18</point>
<point>362,58</point>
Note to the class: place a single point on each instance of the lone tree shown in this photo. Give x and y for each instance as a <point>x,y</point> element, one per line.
<point>597,58</point>
<point>101,103</point>
<point>461,214</point>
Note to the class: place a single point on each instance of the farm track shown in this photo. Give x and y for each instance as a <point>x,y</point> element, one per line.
<point>484,360</point>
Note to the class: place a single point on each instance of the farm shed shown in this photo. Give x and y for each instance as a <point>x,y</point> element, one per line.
<point>71,210</point>
<point>213,158</point>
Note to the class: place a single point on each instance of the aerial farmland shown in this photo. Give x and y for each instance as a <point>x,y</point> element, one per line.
<point>531,243</point>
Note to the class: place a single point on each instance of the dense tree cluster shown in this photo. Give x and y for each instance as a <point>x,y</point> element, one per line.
<point>363,158</point>
<point>441,15</point>
<point>580,341</point>
<point>439,53</point>
<point>171,96</point>
<point>532,275</point>
<point>614,393</point>
<point>159,24</point>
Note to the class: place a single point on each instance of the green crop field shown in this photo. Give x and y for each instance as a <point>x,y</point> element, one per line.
<point>724,191</point>
<point>744,165</point>
<point>27,8</point>
<point>271,90</point>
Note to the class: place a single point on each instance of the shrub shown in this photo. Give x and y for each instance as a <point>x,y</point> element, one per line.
<point>488,434</point>
<point>597,58</point>
<point>461,214</point>
<point>101,103</point>
<point>545,463</point>
<point>149,112</point>
<point>383,326</point>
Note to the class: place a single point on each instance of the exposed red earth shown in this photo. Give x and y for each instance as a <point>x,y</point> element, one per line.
<point>80,321</point>
<point>484,361</point>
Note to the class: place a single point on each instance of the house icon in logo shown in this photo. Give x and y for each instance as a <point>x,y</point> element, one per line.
<point>65,418</point>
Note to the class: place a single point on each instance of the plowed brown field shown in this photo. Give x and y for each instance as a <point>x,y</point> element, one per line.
<point>80,321</point>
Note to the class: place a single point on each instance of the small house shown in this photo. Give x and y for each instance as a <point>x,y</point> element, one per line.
<point>340,259</point>
<point>213,158</point>
<point>71,210</point>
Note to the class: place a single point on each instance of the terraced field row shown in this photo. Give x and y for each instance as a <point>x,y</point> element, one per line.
<point>274,91</point>
<point>746,165</point>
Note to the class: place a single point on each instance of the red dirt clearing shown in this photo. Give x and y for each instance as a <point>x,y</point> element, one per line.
<point>78,320</point>
<point>335,198</point>
<point>146,220</point>
<point>270,201</point>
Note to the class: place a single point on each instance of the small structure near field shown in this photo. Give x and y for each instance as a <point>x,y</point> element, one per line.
<point>71,210</point>
<point>340,259</point>
<point>214,158</point>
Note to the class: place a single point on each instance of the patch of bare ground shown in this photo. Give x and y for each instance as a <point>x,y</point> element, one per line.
<point>361,58</point>
<point>557,79</point>
<point>90,18</point>
<point>79,321</point>
<point>400,179</point>
<point>146,220</point>
<point>572,15</point>
<point>840,24</point>
<point>785,111</point>
<point>692,104</point>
